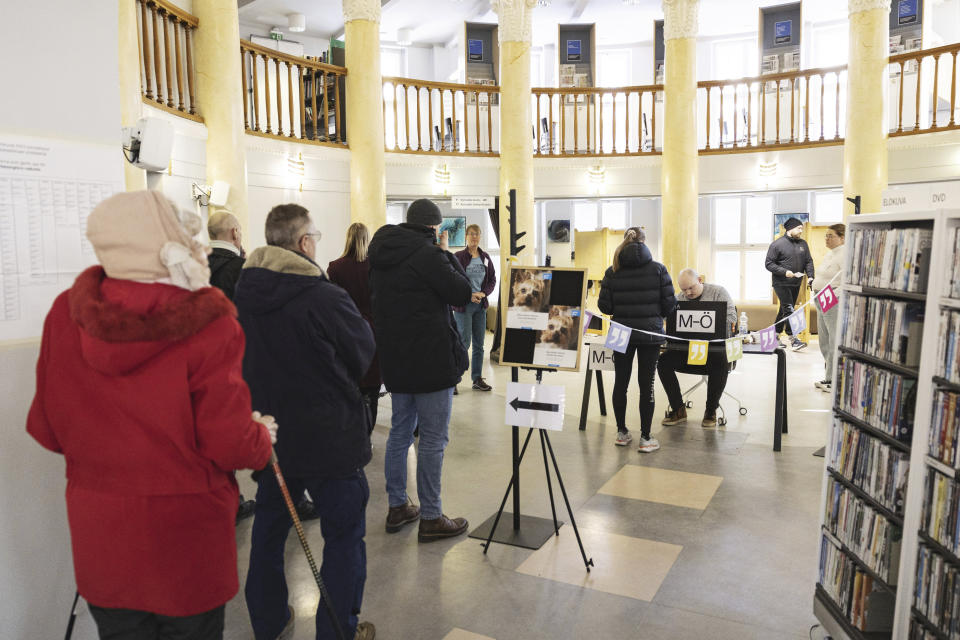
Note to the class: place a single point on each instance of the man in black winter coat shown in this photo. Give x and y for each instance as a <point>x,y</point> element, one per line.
<point>307,347</point>
<point>226,257</point>
<point>788,258</point>
<point>414,281</point>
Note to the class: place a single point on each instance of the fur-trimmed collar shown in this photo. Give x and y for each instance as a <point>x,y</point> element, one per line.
<point>178,315</point>
<point>282,261</point>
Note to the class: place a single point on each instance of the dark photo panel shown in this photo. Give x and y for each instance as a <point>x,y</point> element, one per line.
<point>518,345</point>
<point>567,288</point>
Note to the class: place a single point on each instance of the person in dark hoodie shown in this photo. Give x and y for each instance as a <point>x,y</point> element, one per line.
<point>139,387</point>
<point>307,349</point>
<point>788,258</point>
<point>414,281</point>
<point>637,292</point>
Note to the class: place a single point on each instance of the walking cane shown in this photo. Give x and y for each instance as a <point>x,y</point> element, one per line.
<point>73,616</point>
<point>324,596</point>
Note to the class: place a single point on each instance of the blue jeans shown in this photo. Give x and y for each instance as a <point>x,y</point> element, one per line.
<point>342,504</point>
<point>431,412</point>
<point>472,321</point>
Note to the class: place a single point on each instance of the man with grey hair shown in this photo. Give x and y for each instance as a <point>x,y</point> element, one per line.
<point>692,287</point>
<point>307,348</point>
<point>226,259</point>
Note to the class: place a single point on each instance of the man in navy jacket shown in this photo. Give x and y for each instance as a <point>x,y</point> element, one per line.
<point>414,281</point>
<point>307,348</point>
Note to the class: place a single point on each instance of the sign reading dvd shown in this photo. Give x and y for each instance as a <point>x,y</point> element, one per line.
<point>544,314</point>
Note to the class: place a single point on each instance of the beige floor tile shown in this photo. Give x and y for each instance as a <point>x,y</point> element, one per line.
<point>624,566</point>
<point>460,634</point>
<point>677,488</point>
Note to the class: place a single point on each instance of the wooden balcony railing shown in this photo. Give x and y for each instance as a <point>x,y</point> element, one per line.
<point>923,91</point>
<point>165,35</point>
<point>597,121</point>
<point>798,108</point>
<point>290,97</point>
<point>440,117</point>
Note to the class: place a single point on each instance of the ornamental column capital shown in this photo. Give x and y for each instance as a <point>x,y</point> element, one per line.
<point>515,19</point>
<point>361,10</point>
<point>857,6</point>
<point>681,19</point>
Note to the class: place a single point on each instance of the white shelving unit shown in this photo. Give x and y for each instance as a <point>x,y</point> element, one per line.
<point>941,222</point>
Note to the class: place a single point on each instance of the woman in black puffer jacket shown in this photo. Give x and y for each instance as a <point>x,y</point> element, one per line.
<point>637,292</point>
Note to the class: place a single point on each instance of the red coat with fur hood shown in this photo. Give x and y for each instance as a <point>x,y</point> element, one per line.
<point>139,386</point>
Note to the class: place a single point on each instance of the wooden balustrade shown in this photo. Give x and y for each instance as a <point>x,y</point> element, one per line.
<point>287,96</point>
<point>791,109</point>
<point>440,117</point>
<point>165,35</point>
<point>923,91</point>
<point>600,121</point>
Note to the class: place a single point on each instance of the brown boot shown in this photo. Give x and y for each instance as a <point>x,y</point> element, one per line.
<point>677,416</point>
<point>442,527</point>
<point>399,516</point>
<point>709,419</point>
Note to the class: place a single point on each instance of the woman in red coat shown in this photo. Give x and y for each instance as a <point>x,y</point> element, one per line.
<point>352,272</point>
<point>139,386</point>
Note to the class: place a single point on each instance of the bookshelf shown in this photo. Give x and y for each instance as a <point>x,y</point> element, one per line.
<point>897,274</point>
<point>896,406</point>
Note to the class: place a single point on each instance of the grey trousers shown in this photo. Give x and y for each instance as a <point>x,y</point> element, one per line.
<point>827,336</point>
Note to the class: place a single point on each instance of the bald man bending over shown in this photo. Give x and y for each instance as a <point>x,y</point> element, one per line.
<point>692,287</point>
<point>226,259</point>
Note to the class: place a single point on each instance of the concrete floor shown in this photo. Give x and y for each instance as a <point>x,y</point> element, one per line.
<point>742,566</point>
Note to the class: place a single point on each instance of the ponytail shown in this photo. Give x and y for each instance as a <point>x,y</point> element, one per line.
<point>633,235</point>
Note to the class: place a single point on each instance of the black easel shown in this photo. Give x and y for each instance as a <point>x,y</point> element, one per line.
<point>528,532</point>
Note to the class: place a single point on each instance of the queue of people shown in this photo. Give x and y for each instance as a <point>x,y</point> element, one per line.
<point>146,366</point>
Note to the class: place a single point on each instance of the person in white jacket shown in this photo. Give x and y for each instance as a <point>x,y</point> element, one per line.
<point>830,266</point>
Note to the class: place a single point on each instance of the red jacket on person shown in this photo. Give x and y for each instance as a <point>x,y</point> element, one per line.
<point>139,386</point>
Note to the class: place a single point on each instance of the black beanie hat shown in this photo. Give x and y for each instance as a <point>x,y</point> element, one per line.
<point>424,212</point>
<point>791,223</point>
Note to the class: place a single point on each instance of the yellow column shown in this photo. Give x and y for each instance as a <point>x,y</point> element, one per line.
<point>220,99</point>
<point>679,181</point>
<point>130,100</point>
<point>364,111</point>
<point>516,147</point>
<point>865,145</point>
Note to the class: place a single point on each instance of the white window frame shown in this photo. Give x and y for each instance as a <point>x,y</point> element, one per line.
<point>824,218</point>
<point>741,247</point>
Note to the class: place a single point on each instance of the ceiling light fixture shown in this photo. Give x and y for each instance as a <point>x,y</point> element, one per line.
<point>544,3</point>
<point>404,37</point>
<point>296,22</point>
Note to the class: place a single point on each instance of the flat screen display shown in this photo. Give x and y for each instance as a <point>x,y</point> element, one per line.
<point>476,49</point>
<point>783,31</point>
<point>573,50</point>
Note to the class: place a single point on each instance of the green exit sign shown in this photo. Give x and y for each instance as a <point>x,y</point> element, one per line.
<point>276,35</point>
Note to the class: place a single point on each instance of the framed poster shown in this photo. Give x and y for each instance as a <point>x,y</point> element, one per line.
<point>783,31</point>
<point>573,50</point>
<point>456,228</point>
<point>475,49</point>
<point>780,218</point>
<point>906,11</point>
<point>544,311</point>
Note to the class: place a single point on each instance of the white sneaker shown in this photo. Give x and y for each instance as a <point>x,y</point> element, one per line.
<point>823,385</point>
<point>648,445</point>
<point>623,438</point>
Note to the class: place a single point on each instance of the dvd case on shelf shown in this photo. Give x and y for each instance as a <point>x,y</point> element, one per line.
<point>897,259</point>
<point>888,329</point>
<point>942,438</point>
<point>940,510</point>
<point>870,464</point>
<point>868,534</point>
<point>881,398</point>
<point>937,593</point>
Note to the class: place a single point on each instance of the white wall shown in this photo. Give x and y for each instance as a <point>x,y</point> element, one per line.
<point>61,95</point>
<point>312,46</point>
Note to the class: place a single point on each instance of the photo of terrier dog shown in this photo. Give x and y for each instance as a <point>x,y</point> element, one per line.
<point>529,291</point>
<point>562,329</point>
